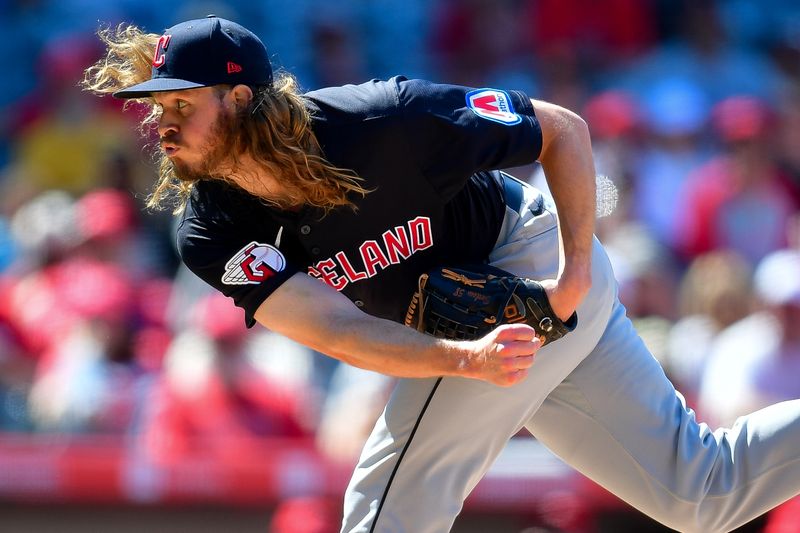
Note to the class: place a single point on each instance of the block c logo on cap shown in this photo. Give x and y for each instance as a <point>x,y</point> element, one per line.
<point>159,57</point>
<point>494,105</point>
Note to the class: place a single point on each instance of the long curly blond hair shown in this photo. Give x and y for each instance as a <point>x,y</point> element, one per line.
<point>275,130</point>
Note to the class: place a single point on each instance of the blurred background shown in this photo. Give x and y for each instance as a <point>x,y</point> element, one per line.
<point>133,399</point>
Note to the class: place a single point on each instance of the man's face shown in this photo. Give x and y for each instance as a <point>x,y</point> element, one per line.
<point>189,129</point>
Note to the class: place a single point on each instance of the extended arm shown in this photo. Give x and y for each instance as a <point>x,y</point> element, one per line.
<point>568,165</point>
<point>317,316</point>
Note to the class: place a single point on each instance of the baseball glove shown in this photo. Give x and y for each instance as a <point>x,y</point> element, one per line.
<point>466,303</point>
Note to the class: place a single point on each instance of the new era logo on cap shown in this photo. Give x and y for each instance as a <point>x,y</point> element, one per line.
<point>233,68</point>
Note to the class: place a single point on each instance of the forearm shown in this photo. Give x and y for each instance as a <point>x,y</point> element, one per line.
<point>317,316</point>
<point>326,321</point>
<point>389,348</point>
<point>568,165</point>
<point>502,357</point>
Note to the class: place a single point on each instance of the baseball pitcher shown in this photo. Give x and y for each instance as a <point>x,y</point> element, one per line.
<point>370,222</point>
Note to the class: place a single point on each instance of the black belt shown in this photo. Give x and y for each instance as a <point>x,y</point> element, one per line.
<point>514,191</point>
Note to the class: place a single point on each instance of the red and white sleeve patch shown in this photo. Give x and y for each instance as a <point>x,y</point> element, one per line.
<point>494,105</point>
<point>253,264</point>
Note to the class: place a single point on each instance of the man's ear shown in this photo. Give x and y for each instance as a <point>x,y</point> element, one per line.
<point>240,96</point>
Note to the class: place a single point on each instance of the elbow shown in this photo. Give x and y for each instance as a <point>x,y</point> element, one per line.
<point>563,131</point>
<point>571,126</point>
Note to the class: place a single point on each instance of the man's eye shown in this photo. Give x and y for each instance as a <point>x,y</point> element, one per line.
<point>181,104</point>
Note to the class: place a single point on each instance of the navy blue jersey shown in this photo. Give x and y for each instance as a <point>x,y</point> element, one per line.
<point>428,153</point>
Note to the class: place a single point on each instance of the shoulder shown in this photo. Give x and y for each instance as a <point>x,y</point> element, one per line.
<point>204,220</point>
<point>215,211</point>
<point>220,202</point>
<point>210,200</point>
<point>364,101</point>
<point>377,98</point>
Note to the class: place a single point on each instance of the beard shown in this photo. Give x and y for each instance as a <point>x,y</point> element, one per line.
<point>215,154</point>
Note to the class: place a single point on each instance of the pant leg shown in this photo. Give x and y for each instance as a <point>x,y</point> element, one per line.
<point>437,437</point>
<point>618,420</point>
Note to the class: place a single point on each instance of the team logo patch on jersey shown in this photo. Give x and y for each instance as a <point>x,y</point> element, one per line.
<point>493,104</point>
<point>253,264</point>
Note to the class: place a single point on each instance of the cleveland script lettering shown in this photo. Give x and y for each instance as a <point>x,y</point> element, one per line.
<point>395,246</point>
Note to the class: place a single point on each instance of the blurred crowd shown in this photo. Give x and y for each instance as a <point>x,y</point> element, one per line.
<point>694,109</point>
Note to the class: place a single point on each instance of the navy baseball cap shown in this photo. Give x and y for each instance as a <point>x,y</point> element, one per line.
<point>202,53</point>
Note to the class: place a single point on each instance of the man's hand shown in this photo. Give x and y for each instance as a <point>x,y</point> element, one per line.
<point>503,356</point>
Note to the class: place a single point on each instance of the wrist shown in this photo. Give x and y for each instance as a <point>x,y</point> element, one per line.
<point>577,274</point>
<point>458,358</point>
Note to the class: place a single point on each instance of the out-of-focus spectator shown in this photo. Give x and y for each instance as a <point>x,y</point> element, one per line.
<point>614,120</point>
<point>354,401</point>
<point>214,396</point>
<point>483,42</point>
<point>338,55</point>
<point>72,303</point>
<point>600,32</point>
<point>64,138</point>
<point>715,292</point>
<point>108,226</point>
<point>740,200</point>
<point>100,227</point>
<point>675,114</point>
<point>787,137</point>
<point>760,24</point>
<point>646,271</point>
<point>395,36</point>
<point>648,278</point>
<point>43,230</point>
<point>16,367</point>
<point>306,515</point>
<point>86,376</point>
<point>22,28</point>
<point>702,52</point>
<point>571,41</point>
<point>755,362</point>
<point>154,333</point>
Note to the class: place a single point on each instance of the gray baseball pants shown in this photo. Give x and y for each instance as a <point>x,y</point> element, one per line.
<point>597,398</point>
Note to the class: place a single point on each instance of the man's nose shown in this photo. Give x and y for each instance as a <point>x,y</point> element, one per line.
<point>166,127</point>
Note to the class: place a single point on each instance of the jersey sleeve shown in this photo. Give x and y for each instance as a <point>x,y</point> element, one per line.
<point>243,267</point>
<point>456,131</point>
